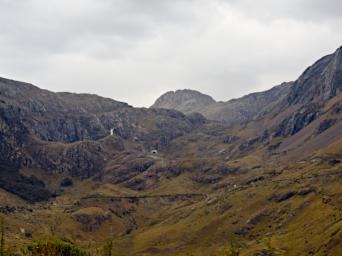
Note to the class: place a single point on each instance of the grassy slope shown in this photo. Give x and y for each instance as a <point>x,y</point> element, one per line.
<point>300,225</point>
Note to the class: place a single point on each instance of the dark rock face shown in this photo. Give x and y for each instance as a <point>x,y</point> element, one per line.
<point>305,191</point>
<point>66,182</point>
<point>334,161</point>
<point>7,209</point>
<point>28,188</point>
<point>196,118</point>
<point>265,252</point>
<point>297,120</point>
<point>13,135</point>
<point>249,143</point>
<point>283,197</point>
<point>325,125</point>
<point>82,159</point>
<point>337,108</point>
<point>230,139</point>
<point>252,180</point>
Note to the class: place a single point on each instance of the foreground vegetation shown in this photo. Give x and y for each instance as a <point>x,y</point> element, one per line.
<point>55,247</point>
<point>60,248</point>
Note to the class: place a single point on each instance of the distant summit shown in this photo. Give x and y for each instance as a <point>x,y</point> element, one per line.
<point>233,111</point>
<point>186,101</point>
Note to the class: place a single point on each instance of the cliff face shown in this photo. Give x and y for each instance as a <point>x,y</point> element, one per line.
<point>55,116</point>
<point>309,95</point>
<point>319,82</point>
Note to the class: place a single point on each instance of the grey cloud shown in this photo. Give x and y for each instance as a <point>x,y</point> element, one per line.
<point>311,10</point>
<point>134,50</point>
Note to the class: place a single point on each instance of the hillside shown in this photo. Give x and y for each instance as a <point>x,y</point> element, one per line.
<point>263,176</point>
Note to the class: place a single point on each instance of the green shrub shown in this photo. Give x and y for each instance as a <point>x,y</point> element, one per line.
<point>52,248</point>
<point>230,251</point>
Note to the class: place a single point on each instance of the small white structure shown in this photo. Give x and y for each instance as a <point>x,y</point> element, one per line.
<point>112,132</point>
<point>154,152</point>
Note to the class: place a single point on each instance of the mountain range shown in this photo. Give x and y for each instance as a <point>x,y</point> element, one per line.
<point>186,176</point>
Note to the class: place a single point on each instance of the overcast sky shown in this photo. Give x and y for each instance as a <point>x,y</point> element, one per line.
<point>135,50</point>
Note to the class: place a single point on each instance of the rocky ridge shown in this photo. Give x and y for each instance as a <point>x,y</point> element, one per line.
<point>232,112</point>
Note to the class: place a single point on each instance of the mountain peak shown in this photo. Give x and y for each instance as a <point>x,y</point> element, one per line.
<point>185,100</point>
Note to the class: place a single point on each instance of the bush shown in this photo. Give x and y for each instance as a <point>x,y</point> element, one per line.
<point>52,248</point>
<point>229,251</point>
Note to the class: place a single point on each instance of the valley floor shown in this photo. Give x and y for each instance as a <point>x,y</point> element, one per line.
<point>275,209</point>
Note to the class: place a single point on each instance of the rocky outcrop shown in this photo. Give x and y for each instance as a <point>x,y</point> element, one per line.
<point>230,139</point>
<point>81,159</point>
<point>297,120</point>
<point>325,125</point>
